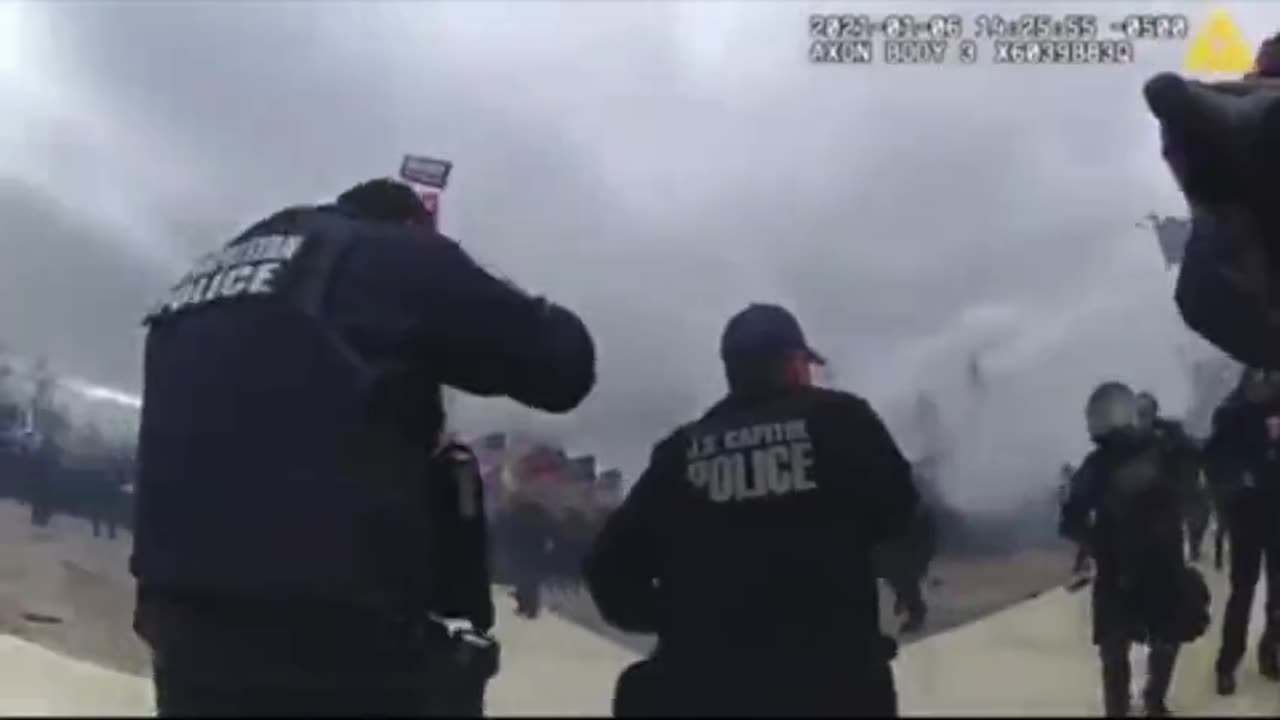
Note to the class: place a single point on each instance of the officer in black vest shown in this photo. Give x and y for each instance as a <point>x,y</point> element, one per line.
<point>746,545</point>
<point>292,404</point>
<point>1126,505</point>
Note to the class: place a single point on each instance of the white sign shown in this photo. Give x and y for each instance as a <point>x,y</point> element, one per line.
<point>426,171</point>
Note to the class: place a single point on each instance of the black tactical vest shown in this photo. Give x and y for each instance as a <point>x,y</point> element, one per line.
<point>270,461</point>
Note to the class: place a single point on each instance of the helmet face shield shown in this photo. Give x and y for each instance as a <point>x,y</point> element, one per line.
<point>1112,408</point>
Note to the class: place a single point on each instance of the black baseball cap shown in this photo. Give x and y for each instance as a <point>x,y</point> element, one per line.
<point>761,329</point>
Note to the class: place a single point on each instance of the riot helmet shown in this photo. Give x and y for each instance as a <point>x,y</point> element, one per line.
<point>1112,409</point>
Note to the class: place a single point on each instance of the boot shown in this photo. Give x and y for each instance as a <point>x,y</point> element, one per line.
<point>1268,662</point>
<point>1160,662</point>
<point>1226,684</point>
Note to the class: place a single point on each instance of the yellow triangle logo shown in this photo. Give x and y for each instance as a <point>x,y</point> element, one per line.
<point>1219,47</point>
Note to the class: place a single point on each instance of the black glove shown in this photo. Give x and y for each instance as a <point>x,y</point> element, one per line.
<point>476,653</point>
<point>1222,142</point>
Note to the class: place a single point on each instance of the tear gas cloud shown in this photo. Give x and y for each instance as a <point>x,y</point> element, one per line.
<point>654,166</point>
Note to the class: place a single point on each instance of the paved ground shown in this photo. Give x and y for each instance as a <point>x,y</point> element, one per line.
<point>959,591</point>
<point>70,592</point>
<point>67,590</point>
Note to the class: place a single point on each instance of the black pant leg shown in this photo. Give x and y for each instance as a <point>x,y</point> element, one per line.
<point>1246,567</point>
<point>1161,659</point>
<point>1116,676</point>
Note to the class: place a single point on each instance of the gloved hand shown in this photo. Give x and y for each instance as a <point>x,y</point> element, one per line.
<point>477,653</point>
<point>1222,141</point>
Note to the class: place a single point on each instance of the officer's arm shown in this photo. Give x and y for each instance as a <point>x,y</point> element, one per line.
<point>1221,448</point>
<point>1074,523</point>
<point>621,570</point>
<point>885,487</point>
<point>487,337</point>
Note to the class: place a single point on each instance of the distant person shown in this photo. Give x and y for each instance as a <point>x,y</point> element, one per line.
<point>1126,504</point>
<point>904,564</point>
<point>291,408</point>
<point>102,513</point>
<point>1184,457</point>
<point>530,537</point>
<point>746,545</point>
<point>1244,450</point>
<point>42,475</point>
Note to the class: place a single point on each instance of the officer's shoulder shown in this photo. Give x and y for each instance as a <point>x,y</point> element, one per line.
<point>838,404</point>
<point>1093,464</point>
<point>1092,460</point>
<point>401,250</point>
<point>672,443</point>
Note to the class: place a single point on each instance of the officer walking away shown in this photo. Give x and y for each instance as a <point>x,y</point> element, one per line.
<point>292,404</point>
<point>1185,457</point>
<point>1126,505</point>
<point>746,545</point>
<point>1245,447</point>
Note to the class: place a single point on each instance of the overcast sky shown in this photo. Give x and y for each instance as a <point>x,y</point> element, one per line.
<point>653,166</point>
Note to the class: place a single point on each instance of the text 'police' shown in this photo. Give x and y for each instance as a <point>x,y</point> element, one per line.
<point>246,268</point>
<point>752,462</point>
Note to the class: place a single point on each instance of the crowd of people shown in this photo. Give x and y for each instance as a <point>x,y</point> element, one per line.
<point>100,495</point>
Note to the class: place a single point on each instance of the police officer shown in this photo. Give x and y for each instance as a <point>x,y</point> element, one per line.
<point>1245,447</point>
<point>1185,457</point>
<point>291,406</point>
<point>746,545</point>
<point>1126,505</point>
